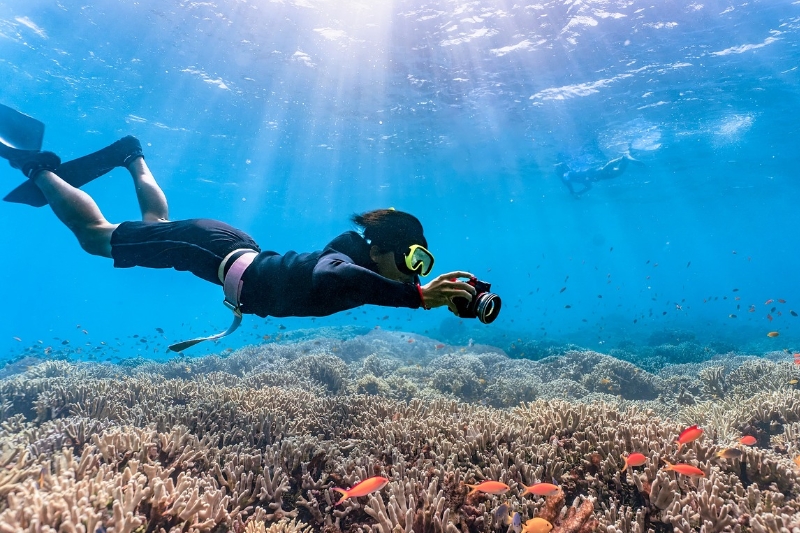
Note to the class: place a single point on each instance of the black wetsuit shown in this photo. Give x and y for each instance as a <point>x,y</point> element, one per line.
<point>321,283</point>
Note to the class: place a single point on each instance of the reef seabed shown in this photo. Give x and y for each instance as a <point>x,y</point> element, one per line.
<point>255,441</point>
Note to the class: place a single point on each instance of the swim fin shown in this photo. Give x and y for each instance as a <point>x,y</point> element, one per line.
<point>18,132</point>
<point>25,135</point>
<point>77,173</point>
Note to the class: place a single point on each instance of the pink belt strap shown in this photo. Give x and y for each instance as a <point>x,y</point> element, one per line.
<point>233,280</point>
<point>232,286</point>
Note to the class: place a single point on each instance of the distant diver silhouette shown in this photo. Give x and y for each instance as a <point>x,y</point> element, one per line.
<point>580,182</point>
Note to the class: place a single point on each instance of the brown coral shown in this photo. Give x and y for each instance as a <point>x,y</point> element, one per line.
<point>226,446</point>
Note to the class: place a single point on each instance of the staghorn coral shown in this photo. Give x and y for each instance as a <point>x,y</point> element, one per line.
<point>412,507</point>
<point>460,375</point>
<point>227,446</point>
<point>281,526</point>
<point>327,370</point>
<point>371,384</point>
<point>508,391</point>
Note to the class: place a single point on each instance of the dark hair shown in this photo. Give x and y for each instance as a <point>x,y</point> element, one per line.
<point>390,230</point>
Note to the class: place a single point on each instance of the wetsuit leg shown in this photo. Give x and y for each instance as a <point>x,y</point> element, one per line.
<point>197,245</point>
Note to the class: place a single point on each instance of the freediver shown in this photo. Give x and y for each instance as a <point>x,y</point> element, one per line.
<point>380,265</point>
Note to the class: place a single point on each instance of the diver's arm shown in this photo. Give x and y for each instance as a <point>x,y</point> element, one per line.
<point>335,277</point>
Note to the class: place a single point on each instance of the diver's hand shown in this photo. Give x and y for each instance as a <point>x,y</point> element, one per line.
<point>443,289</point>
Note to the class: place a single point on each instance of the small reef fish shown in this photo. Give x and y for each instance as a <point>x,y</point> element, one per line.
<point>540,489</point>
<point>537,525</point>
<point>781,301</point>
<point>516,522</point>
<point>634,459</point>
<point>730,453</point>
<point>796,461</point>
<point>773,334</point>
<point>792,313</point>
<point>690,434</point>
<point>748,440</point>
<point>501,515</point>
<point>686,470</point>
<point>769,301</point>
<point>489,487</point>
<point>769,317</point>
<point>368,486</point>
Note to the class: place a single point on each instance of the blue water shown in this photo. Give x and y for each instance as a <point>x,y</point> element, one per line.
<point>285,117</point>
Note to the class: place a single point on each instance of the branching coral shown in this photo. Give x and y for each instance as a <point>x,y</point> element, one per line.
<point>227,446</point>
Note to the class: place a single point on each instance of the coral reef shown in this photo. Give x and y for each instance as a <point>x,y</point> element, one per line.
<point>255,440</point>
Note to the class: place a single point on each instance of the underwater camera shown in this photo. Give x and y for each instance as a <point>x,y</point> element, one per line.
<point>485,306</point>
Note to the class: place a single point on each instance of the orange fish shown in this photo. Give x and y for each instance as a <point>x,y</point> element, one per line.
<point>489,487</point>
<point>686,470</point>
<point>769,317</point>
<point>781,301</point>
<point>439,346</point>
<point>634,459</point>
<point>541,489</point>
<point>688,435</point>
<point>537,525</point>
<point>748,440</point>
<point>368,486</point>
<point>768,301</point>
<point>410,341</point>
<point>773,334</point>
<point>797,461</point>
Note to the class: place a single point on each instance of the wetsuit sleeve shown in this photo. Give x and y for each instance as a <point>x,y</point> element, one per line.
<point>336,277</point>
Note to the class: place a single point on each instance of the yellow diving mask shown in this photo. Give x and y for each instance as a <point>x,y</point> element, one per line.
<point>418,260</point>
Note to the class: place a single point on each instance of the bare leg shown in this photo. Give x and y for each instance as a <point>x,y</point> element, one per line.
<point>614,168</point>
<point>78,211</point>
<point>152,201</point>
